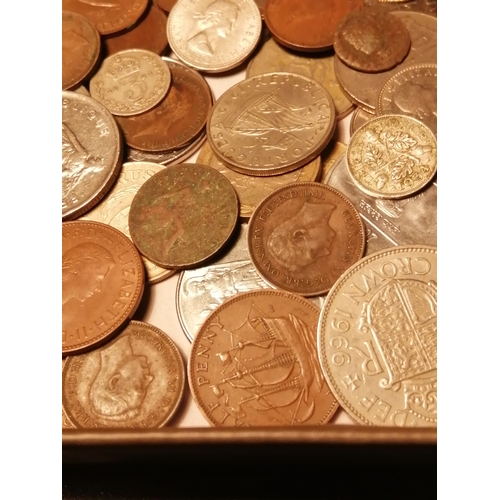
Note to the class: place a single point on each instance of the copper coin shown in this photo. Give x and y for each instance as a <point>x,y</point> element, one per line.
<point>150,33</point>
<point>254,362</point>
<point>303,236</point>
<point>359,118</point>
<point>108,16</point>
<point>166,5</point>
<point>81,45</point>
<point>136,380</point>
<point>183,215</point>
<point>177,120</point>
<point>306,26</point>
<point>102,283</point>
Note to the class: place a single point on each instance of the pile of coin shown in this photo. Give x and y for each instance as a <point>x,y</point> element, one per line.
<point>305,267</point>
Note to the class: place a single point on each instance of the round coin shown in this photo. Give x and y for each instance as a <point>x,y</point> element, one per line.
<point>392,156</point>
<point>271,124</point>
<point>136,380</point>
<point>254,363</point>
<point>131,82</point>
<point>303,236</point>
<point>183,215</point>
<point>359,117</point>
<point>91,153</point>
<point>377,338</point>
<point>214,35</point>
<point>102,283</point>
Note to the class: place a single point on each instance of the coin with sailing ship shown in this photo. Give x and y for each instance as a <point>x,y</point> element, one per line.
<point>254,363</point>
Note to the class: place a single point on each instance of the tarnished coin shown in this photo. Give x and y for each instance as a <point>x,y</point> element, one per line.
<point>392,156</point>
<point>303,236</point>
<point>424,6</point>
<point>114,209</point>
<point>108,16</point>
<point>271,124</point>
<point>179,117</point>
<point>377,338</point>
<point>166,5</point>
<point>412,92</point>
<point>252,190</point>
<point>102,283</point>
<point>333,151</point>
<point>183,215</point>
<point>254,363</point>
<point>359,118</point>
<point>371,40</point>
<point>131,82</point>
<point>134,381</point>
<point>91,153</point>
<point>272,57</point>
<point>306,26</point>
<point>214,35</point>
<point>66,424</point>
<point>81,45</point>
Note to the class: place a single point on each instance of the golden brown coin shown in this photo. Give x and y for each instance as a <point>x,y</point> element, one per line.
<point>81,45</point>
<point>303,236</point>
<point>306,26</point>
<point>377,338</point>
<point>359,117</point>
<point>333,151</point>
<point>183,215</point>
<point>177,119</point>
<point>166,5</point>
<point>392,156</point>
<point>108,16</point>
<point>102,283</point>
<point>134,381</point>
<point>254,363</point>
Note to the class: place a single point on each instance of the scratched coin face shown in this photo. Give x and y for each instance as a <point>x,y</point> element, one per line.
<point>377,338</point>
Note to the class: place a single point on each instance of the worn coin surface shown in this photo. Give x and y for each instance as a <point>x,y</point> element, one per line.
<point>303,236</point>
<point>254,363</point>
<point>102,283</point>
<point>114,209</point>
<point>359,117</point>
<point>81,45</point>
<point>392,156</point>
<point>136,380</point>
<point>214,35</point>
<point>183,215</point>
<point>271,124</point>
<point>130,82</point>
<point>377,338</point>
<point>91,153</point>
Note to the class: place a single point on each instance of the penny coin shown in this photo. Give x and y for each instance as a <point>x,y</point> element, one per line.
<point>214,35</point>
<point>424,6</point>
<point>411,92</point>
<point>166,5</point>
<point>81,45</point>
<point>371,40</point>
<point>377,338</point>
<point>254,363</point>
<point>134,381</point>
<point>114,209</point>
<point>108,16</point>
<point>131,82</point>
<point>272,57</point>
<point>91,153</point>
<point>148,34</point>
<point>252,190</point>
<point>183,215</point>
<point>392,156</point>
<point>359,117</point>
<point>329,155</point>
<point>303,236</point>
<point>271,124</point>
<point>177,119</point>
<point>304,26</point>
<point>102,283</point>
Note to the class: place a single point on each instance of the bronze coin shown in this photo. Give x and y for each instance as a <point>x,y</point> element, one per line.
<point>150,33</point>
<point>371,40</point>
<point>166,5</point>
<point>108,16</point>
<point>254,362</point>
<point>183,215</point>
<point>102,283</point>
<point>303,236</point>
<point>306,26</point>
<point>136,380</point>
<point>179,117</point>
<point>81,45</point>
